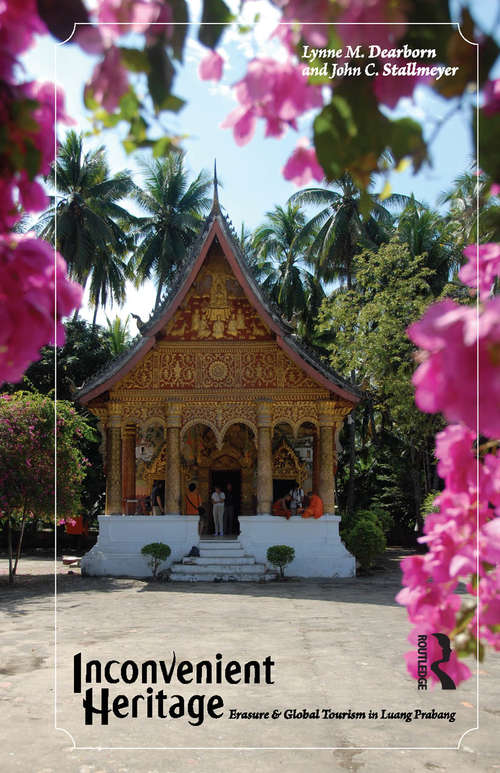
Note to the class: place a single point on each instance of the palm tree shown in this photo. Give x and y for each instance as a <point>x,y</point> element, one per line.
<point>85,222</point>
<point>118,334</point>
<point>281,245</point>
<point>427,233</point>
<point>341,229</point>
<point>471,193</point>
<point>174,211</point>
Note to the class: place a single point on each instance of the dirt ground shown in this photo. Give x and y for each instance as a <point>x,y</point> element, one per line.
<point>336,645</point>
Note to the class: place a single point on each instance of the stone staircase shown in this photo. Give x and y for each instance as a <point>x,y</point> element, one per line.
<point>222,560</point>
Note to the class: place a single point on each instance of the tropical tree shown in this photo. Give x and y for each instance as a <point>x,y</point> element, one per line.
<point>470,194</point>
<point>174,209</point>
<point>118,334</point>
<point>27,447</point>
<point>85,221</point>
<point>428,234</point>
<point>346,223</point>
<point>281,247</point>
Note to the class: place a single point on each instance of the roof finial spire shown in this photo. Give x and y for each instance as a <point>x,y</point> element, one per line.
<point>215,203</point>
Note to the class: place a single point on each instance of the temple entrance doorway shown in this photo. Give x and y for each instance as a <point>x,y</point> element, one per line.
<point>281,488</point>
<point>221,478</point>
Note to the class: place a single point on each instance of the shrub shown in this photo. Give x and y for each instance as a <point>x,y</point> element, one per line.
<point>158,553</point>
<point>280,555</point>
<point>366,540</point>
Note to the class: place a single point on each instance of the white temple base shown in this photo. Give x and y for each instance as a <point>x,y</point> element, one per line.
<point>319,552</point>
<point>121,537</point>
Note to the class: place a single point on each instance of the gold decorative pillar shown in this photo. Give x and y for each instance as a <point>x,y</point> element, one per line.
<point>315,461</point>
<point>114,461</point>
<point>128,464</point>
<point>326,455</point>
<point>264,458</point>
<point>173,466</point>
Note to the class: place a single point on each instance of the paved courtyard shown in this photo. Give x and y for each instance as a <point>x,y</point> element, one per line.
<point>336,645</point>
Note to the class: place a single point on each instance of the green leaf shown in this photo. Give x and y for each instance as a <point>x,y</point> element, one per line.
<point>161,75</point>
<point>489,131</point>
<point>134,59</point>
<point>181,19</point>
<point>217,12</point>
<point>88,99</point>
<point>406,139</point>
<point>161,147</point>
<point>340,137</point>
<point>129,105</point>
<point>173,103</point>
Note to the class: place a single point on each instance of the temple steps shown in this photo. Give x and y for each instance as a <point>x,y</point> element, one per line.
<point>220,560</point>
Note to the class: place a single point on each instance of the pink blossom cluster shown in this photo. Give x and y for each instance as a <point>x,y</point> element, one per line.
<point>29,273</point>
<point>28,278</point>
<point>453,338</point>
<point>109,81</point>
<point>458,343</point>
<point>276,92</point>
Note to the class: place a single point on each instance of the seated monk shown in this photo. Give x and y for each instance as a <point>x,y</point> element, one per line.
<point>282,507</point>
<point>315,507</point>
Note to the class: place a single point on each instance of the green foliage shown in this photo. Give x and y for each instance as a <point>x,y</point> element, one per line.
<point>118,335</point>
<point>157,552</point>
<point>281,556</point>
<point>89,223</point>
<point>280,246</point>
<point>428,505</point>
<point>29,426</point>
<point>173,211</point>
<point>365,541</point>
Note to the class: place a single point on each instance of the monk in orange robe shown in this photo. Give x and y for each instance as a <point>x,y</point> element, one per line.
<point>193,500</point>
<point>282,507</point>
<point>315,507</point>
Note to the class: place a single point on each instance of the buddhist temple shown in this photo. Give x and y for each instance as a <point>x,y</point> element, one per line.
<point>218,389</point>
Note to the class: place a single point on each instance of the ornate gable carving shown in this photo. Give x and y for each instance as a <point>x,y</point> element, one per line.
<point>216,308</point>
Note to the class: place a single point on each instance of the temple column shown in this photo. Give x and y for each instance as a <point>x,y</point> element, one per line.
<point>264,458</point>
<point>173,468</point>
<point>114,461</point>
<point>315,461</point>
<point>128,463</point>
<point>326,456</point>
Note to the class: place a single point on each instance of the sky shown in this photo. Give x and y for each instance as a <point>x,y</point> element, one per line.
<point>251,176</point>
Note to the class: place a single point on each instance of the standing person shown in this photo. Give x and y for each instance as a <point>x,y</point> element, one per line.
<point>158,496</point>
<point>229,509</point>
<point>193,500</point>
<point>218,498</point>
<point>297,497</point>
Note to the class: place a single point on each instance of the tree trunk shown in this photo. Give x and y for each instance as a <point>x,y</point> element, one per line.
<point>9,542</point>
<point>417,494</point>
<point>158,296</point>
<point>20,543</point>
<point>94,317</point>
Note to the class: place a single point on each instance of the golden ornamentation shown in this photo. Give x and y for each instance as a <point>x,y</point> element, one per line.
<point>286,464</point>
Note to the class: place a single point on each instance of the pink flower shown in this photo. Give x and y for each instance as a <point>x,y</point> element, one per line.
<point>276,92</point>
<point>390,88</point>
<point>123,16</point>
<point>358,27</point>
<point>491,93</point>
<point>312,17</point>
<point>28,277</point>
<point>210,68</point>
<point>19,22</point>
<point>457,464</point>
<point>447,379</point>
<point>484,262</point>
<point>303,165</point>
<point>109,81</point>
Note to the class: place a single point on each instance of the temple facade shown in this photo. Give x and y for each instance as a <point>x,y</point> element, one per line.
<point>217,389</point>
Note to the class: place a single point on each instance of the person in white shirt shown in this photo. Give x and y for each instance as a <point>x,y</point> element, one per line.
<point>218,498</point>
<point>297,495</point>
